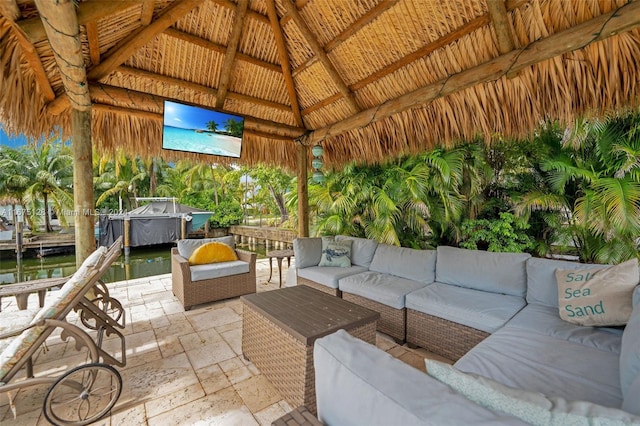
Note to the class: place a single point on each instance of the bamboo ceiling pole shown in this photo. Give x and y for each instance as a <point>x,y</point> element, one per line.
<point>61,25</point>
<point>82,184</point>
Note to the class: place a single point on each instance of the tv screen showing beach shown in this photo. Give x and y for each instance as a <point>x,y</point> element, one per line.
<point>205,131</point>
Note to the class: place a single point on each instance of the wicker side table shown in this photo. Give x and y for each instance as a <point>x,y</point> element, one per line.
<point>301,416</point>
<point>279,328</point>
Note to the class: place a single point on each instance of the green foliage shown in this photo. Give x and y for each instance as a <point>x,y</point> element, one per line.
<point>497,235</point>
<point>227,213</point>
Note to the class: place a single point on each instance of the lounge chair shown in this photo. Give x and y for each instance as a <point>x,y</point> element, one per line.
<point>85,393</point>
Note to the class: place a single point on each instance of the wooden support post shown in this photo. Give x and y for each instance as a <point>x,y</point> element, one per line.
<point>206,229</point>
<point>303,195</point>
<point>18,241</point>
<point>127,237</point>
<point>85,237</point>
<point>183,228</point>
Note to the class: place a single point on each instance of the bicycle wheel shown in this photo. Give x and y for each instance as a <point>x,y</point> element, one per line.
<point>82,395</point>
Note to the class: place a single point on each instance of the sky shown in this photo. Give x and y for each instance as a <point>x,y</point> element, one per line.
<point>189,117</point>
<point>6,140</point>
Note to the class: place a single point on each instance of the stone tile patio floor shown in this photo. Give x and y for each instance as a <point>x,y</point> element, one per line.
<point>183,368</point>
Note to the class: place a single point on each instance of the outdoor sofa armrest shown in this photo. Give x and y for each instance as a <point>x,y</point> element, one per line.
<point>248,257</point>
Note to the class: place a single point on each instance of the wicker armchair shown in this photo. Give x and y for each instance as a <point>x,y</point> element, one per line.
<point>193,293</point>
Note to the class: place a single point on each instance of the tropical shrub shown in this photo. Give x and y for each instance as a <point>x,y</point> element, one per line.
<point>505,234</point>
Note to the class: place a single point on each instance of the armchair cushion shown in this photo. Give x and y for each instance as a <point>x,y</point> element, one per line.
<point>218,270</point>
<point>212,252</point>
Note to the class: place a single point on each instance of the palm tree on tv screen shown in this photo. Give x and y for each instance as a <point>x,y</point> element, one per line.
<point>212,126</point>
<point>234,127</point>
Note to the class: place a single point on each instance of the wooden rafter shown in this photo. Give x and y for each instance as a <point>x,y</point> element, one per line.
<point>61,25</point>
<point>284,60</point>
<point>87,12</point>
<point>30,53</point>
<point>232,47</point>
<point>94,43</point>
<point>139,38</point>
<point>622,19</point>
<point>322,104</point>
<point>146,15</point>
<point>199,87</point>
<point>498,12</point>
<point>105,94</point>
<point>292,11</point>
<point>189,38</point>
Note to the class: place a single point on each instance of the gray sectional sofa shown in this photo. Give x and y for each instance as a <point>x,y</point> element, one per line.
<point>516,351</point>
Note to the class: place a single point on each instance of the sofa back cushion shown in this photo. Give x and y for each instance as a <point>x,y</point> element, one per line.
<point>307,252</point>
<point>542,287</point>
<point>362,250</point>
<point>495,272</point>
<point>187,247</point>
<point>416,265</point>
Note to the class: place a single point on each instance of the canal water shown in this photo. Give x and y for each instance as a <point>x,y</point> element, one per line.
<point>142,262</point>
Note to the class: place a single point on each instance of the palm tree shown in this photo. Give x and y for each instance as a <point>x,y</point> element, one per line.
<point>120,176</point>
<point>212,126</point>
<point>234,127</point>
<point>13,179</point>
<point>50,170</point>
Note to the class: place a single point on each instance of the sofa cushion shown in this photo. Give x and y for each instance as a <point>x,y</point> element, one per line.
<point>630,362</point>
<point>529,360</point>
<point>477,309</point>
<point>541,279</point>
<point>187,247</point>
<point>218,270</point>
<point>307,251</point>
<point>382,288</point>
<point>362,249</point>
<point>545,320</point>
<point>358,384</point>
<point>335,253</point>
<point>328,275</point>
<point>213,252</point>
<point>482,270</point>
<point>532,407</point>
<point>417,265</point>
<point>601,298</point>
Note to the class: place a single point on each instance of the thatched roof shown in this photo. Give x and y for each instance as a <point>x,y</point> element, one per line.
<point>367,79</point>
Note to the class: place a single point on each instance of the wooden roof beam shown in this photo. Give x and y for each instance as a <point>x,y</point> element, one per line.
<point>232,47</point>
<point>105,94</point>
<point>624,18</point>
<point>499,18</point>
<point>250,13</point>
<point>87,12</point>
<point>190,38</point>
<point>94,42</point>
<point>199,87</point>
<point>9,9</point>
<point>61,25</point>
<point>292,11</point>
<point>123,50</point>
<point>284,60</point>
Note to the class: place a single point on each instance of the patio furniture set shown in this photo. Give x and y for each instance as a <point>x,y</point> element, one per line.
<point>499,316</point>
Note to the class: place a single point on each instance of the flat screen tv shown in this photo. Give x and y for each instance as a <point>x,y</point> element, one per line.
<point>204,131</point>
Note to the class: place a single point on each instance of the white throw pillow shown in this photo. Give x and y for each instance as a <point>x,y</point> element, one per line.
<point>532,407</point>
<point>336,253</point>
<point>597,298</point>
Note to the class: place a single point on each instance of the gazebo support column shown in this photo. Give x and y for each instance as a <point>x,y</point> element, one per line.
<point>83,184</point>
<point>303,195</point>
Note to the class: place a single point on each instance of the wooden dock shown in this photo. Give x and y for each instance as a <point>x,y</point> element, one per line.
<point>41,242</point>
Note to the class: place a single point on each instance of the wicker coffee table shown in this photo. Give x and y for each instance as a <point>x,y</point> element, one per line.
<point>279,328</point>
